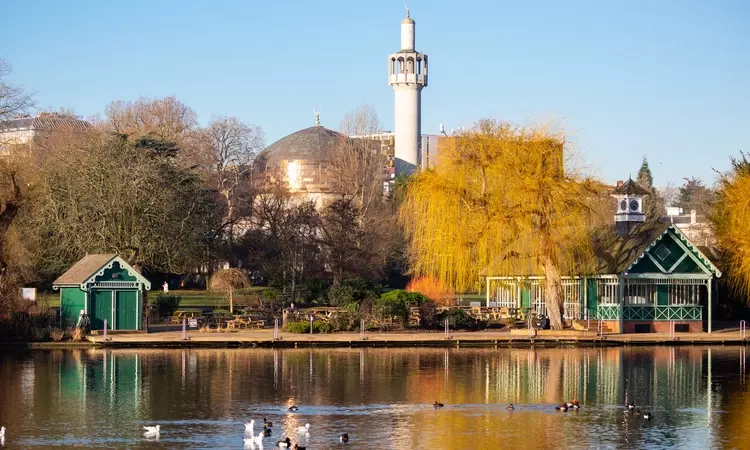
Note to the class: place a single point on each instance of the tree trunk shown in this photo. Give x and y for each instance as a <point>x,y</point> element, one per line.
<point>553,296</point>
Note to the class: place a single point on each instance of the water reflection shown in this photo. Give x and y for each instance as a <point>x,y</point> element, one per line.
<point>201,398</point>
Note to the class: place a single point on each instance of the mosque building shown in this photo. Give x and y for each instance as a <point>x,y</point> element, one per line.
<point>303,157</point>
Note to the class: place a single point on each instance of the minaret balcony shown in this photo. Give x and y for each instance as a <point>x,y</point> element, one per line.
<point>407,79</point>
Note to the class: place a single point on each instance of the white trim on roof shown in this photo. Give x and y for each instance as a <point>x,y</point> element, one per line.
<point>108,265</point>
<point>686,245</point>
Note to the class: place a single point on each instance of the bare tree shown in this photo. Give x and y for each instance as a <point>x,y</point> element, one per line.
<point>13,99</point>
<point>358,165</point>
<point>360,121</point>
<point>166,119</point>
<point>15,186</point>
<point>230,147</point>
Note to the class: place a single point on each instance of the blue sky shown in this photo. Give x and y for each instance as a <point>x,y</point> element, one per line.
<point>667,79</point>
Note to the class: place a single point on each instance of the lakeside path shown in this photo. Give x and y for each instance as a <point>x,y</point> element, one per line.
<point>264,338</point>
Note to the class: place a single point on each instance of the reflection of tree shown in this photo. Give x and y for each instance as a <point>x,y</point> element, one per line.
<point>73,389</point>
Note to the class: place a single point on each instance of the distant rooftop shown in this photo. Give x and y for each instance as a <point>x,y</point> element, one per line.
<point>45,121</point>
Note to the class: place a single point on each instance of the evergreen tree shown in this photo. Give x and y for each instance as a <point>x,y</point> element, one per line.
<point>645,179</point>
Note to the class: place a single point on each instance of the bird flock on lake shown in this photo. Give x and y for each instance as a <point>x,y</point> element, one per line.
<point>252,441</point>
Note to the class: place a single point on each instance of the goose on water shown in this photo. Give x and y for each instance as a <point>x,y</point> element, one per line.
<point>305,429</point>
<point>438,405</point>
<point>286,443</point>
<point>249,427</point>
<point>344,437</point>
<point>152,430</point>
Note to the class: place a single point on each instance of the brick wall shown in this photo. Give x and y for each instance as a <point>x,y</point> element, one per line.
<point>695,326</point>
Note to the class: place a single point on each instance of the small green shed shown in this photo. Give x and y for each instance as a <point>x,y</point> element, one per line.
<point>103,286</point>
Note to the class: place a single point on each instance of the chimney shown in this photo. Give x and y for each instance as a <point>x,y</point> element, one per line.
<point>619,183</point>
<point>693,216</point>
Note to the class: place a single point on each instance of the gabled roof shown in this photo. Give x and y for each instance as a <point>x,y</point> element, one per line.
<point>630,187</point>
<point>90,266</point>
<point>616,254</point>
<point>689,247</point>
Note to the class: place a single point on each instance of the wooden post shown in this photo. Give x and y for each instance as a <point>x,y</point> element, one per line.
<point>710,307</point>
<point>488,292</point>
<point>621,292</point>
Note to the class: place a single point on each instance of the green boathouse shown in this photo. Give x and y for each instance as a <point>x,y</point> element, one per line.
<point>105,287</point>
<point>647,276</point>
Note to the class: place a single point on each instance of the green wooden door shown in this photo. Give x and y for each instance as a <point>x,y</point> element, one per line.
<point>127,310</point>
<point>525,297</point>
<point>101,308</point>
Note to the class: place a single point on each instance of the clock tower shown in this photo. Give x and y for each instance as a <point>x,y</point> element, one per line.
<point>629,212</point>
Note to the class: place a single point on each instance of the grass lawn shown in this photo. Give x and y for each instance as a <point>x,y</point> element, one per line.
<point>188,298</point>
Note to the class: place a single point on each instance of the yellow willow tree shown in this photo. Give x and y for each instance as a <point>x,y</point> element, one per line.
<point>731,219</point>
<point>500,203</point>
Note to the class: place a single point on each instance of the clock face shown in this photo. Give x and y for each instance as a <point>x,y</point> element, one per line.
<point>633,205</point>
<point>623,205</point>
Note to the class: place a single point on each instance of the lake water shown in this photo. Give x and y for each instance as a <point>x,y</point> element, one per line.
<point>382,397</point>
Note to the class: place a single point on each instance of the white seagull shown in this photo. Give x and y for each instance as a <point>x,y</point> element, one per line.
<point>304,430</point>
<point>249,427</point>
<point>2,432</point>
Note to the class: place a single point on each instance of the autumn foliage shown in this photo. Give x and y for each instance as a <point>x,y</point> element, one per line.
<point>500,202</point>
<point>731,218</point>
<point>431,288</point>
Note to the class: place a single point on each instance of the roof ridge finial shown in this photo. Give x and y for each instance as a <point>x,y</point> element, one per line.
<point>317,115</point>
<point>408,13</point>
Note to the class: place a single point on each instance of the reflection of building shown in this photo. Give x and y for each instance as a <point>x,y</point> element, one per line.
<point>25,129</point>
<point>646,276</point>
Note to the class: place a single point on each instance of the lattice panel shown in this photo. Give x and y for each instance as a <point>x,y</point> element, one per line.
<point>639,313</point>
<point>609,312</point>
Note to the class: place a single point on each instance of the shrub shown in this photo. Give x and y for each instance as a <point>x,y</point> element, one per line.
<point>167,303</point>
<point>39,334</point>
<point>353,290</point>
<point>304,327</point>
<point>427,313</point>
<point>78,334</point>
<point>57,334</point>
<point>322,327</point>
<point>316,290</point>
<point>458,319</point>
<point>298,327</point>
<point>344,321</point>
<point>432,288</point>
<point>395,304</point>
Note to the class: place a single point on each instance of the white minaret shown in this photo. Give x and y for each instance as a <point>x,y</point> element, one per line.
<point>407,75</point>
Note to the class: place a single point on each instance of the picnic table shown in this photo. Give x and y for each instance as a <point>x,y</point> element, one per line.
<point>244,321</point>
